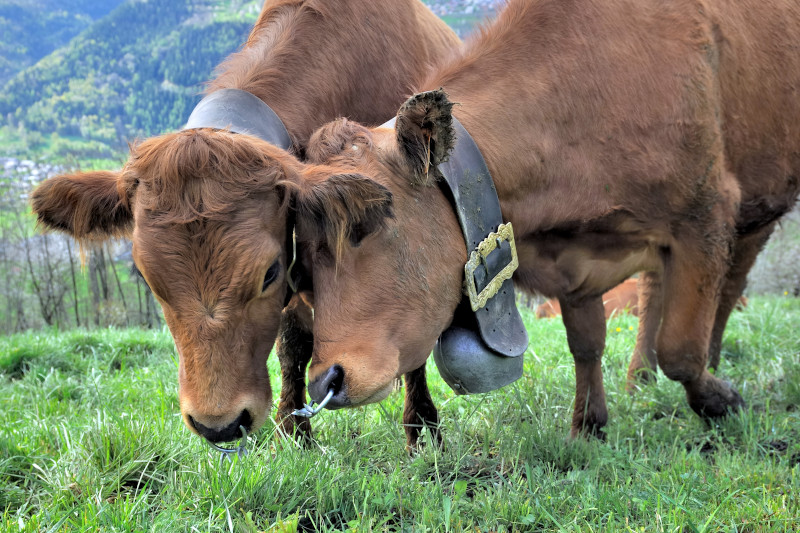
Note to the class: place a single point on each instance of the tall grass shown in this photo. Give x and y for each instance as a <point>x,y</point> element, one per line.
<point>91,439</point>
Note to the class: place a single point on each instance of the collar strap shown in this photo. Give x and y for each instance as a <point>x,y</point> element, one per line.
<point>490,245</point>
<point>240,112</point>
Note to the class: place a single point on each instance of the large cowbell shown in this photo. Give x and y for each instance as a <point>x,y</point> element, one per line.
<point>482,349</point>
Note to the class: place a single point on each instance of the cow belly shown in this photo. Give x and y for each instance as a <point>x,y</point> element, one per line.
<point>584,265</point>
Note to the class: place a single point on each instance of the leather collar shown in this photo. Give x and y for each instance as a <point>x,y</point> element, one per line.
<point>478,210</point>
<point>241,112</point>
<point>469,185</point>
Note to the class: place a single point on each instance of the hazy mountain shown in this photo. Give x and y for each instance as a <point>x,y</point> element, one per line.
<point>31,29</point>
<point>135,72</point>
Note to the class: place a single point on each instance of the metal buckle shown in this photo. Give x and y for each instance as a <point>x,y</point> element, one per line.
<point>478,256</point>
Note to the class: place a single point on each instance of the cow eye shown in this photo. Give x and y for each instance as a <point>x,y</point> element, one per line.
<point>272,275</point>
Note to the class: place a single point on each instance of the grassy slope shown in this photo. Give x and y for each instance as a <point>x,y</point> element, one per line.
<point>90,439</point>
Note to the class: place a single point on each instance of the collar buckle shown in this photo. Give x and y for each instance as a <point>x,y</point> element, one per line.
<point>490,264</point>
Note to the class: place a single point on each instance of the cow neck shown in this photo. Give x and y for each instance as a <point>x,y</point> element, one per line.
<point>469,186</point>
<point>244,113</point>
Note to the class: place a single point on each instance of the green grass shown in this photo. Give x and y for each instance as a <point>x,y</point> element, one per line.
<point>91,440</point>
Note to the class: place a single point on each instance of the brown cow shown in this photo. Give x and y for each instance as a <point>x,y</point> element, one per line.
<point>207,209</point>
<point>621,299</point>
<point>614,130</point>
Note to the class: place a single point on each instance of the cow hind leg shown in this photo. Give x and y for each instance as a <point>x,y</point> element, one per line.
<point>295,345</point>
<point>419,412</point>
<point>691,280</point>
<point>745,251</point>
<point>586,335</point>
<point>644,364</point>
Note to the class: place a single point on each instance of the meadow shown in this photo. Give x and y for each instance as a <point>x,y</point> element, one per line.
<point>91,440</point>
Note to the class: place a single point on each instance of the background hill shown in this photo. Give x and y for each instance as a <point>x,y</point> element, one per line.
<point>135,70</point>
<point>86,77</point>
<point>130,69</point>
<point>31,29</point>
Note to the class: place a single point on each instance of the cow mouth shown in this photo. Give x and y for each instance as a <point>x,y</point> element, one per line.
<point>227,434</point>
<point>377,396</point>
<point>240,450</point>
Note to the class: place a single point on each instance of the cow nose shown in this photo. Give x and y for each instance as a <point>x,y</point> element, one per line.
<point>331,379</point>
<point>228,433</point>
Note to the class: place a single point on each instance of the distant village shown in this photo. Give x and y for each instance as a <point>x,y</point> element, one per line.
<point>23,174</point>
<point>465,7</point>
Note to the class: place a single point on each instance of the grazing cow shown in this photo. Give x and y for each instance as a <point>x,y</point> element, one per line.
<point>208,209</point>
<point>616,132</point>
<point>623,298</point>
<point>620,299</point>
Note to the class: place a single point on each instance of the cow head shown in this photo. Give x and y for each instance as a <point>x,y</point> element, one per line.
<point>385,247</point>
<point>207,212</point>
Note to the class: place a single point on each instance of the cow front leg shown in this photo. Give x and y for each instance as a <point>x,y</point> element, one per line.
<point>692,278</point>
<point>745,250</point>
<point>295,345</point>
<point>419,409</point>
<point>586,335</point>
<point>644,363</point>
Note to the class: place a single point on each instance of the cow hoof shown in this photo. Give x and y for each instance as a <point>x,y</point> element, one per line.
<point>414,442</point>
<point>596,432</point>
<point>589,426</point>
<point>710,397</point>
<point>295,427</point>
<point>639,378</point>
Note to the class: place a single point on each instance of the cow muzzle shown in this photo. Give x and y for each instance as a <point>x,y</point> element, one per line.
<point>223,433</point>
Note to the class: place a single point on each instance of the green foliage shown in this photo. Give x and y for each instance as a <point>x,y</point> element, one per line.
<point>32,29</point>
<point>136,73</point>
<point>90,439</point>
<point>463,24</point>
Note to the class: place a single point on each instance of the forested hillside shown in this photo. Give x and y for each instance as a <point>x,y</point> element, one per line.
<point>31,29</point>
<point>137,72</point>
<point>134,73</point>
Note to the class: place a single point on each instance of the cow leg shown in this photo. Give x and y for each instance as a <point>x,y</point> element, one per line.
<point>643,365</point>
<point>586,335</point>
<point>419,409</point>
<point>691,282</point>
<point>745,251</point>
<point>295,345</point>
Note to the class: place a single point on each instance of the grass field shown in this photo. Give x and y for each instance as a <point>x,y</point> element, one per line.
<point>91,440</point>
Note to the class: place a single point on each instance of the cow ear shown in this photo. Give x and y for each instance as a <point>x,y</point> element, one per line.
<point>425,133</point>
<point>86,205</point>
<point>336,137</point>
<point>341,208</point>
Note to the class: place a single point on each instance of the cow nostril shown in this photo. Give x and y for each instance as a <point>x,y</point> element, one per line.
<point>336,379</point>
<point>245,420</point>
<point>331,380</point>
